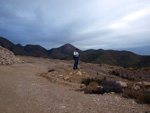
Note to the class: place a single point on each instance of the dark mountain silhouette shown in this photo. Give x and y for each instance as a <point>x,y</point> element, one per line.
<point>111,57</point>
<point>28,50</point>
<point>16,49</point>
<point>63,52</point>
<point>35,50</point>
<point>6,43</point>
<point>19,46</point>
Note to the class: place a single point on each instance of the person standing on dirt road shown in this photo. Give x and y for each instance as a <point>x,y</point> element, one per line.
<point>76,58</point>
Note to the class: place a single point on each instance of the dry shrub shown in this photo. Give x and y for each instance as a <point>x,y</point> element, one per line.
<point>87,81</point>
<point>111,86</point>
<point>141,96</point>
<point>97,86</point>
<point>93,87</point>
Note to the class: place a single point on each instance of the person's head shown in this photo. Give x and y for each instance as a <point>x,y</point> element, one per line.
<point>77,49</point>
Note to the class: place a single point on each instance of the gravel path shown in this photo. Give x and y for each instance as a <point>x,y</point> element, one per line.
<point>23,91</point>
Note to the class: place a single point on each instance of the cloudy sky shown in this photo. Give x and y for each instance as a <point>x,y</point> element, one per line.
<point>87,24</point>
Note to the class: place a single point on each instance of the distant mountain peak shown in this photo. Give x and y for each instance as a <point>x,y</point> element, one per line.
<point>34,47</point>
<point>68,47</point>
<point>67,44</point>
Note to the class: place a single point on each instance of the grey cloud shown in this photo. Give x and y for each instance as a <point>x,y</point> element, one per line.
<point>82,23</point>
<point>144,50</point>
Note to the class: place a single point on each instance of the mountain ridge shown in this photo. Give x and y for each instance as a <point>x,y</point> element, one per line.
<point>64,52</point>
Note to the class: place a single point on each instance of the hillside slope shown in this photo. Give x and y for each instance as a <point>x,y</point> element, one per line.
<point>24,90</point>
<point>111,57</point>
<point>62,52</point>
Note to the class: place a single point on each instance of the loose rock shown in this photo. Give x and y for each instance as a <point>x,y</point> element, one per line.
<point>7,57</point>
<point>67,77</point>
<point>123,84</point>
<point>146,84</point>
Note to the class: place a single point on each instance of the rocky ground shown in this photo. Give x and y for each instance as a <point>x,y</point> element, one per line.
<point>40,85</point>
<point>7,57</point>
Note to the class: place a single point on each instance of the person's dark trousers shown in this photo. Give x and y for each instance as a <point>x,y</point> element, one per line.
<point>75,63</point>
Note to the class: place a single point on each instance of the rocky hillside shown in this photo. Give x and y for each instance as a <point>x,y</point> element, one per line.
<point>111,57</point>
<point>63,52</point>
<point>100,56</point>
<point>7,57</point>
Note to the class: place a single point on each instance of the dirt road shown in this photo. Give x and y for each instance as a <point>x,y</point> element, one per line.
<point>22,90</point>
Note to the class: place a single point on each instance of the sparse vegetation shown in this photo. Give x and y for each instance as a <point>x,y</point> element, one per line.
<point>116,73</point>
<point>97,86</point>
<point>97,73</point>
<point>93,87</point>
<point>105,78</point>
<point>137,68</point>
<point>141,96</point>
<point>87,81</point>
<point>126,66</point>
<point>147,69</point>
<point>100,64</point>
<point>110,72</point>
<point>111,86</point>
<point>123,74</point>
